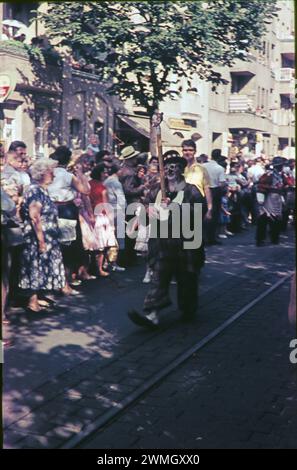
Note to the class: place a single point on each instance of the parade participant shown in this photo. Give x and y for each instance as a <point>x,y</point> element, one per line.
<point>217,182</point>
<point>41,260</point>
<point>168,257</point>
<point>270,206</point>
<point>133,189</point>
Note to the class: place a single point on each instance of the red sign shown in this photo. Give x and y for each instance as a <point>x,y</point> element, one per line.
<point>7,85</point>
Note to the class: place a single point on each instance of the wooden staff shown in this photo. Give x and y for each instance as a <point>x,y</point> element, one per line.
<point>156,123</point>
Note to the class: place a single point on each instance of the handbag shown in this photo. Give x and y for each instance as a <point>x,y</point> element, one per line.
<point>14,235</point>
<point>67,229</point>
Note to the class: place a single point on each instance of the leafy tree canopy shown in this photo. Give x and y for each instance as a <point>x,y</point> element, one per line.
<point>135,46</point>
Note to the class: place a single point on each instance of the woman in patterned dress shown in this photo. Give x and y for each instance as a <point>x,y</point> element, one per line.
<point>42,266</point>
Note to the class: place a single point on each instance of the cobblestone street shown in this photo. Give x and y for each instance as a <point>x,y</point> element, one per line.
<point>77,366</point>
<point>238,392</point>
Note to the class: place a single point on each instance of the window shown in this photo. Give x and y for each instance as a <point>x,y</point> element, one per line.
<point>41,124</point>
<point>74,133</point>
<point>263,98</point>
<point>285,102</point>
<point>190,122</point>
<point>21,13</point>
<point>99,131</point>
<point>238,82</point>
<point>259,97</point>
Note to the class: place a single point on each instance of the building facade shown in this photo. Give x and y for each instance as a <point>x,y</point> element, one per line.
<point>255,111</point>
<point>53,101</point>
<point>57,101</point>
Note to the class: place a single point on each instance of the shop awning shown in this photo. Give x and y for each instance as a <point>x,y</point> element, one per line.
<point>139,124</point>
<point>142,125</point>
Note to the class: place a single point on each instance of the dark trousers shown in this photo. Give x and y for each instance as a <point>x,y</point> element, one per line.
<point>187,291</point>
<point>274,228</point>
<point>15,253</point>
<point>128,255</point>
<point>73,255</point>
<point>213,224</point>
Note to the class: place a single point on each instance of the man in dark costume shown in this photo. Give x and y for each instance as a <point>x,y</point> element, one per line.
<point>270,196</point>
<point>169,257</point>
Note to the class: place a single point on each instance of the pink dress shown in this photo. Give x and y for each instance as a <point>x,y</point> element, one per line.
<point>89,238</point>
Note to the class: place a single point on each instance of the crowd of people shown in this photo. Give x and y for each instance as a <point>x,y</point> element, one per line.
<point>59,217</point>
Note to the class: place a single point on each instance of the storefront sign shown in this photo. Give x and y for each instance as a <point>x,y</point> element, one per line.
<point>178,124</point>
<point>7,85</point>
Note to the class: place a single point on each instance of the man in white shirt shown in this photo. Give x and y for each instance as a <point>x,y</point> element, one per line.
<point>217,179</point>
<point>13,171</point>
<point>256,171</point>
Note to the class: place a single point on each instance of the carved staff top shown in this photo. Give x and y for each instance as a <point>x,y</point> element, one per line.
<point>157,118</point>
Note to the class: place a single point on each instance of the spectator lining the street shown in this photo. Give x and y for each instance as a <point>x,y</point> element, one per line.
<point>134,190</point>
<point>116,198</point>
<point>196,174</point>
<point>11,173</point>
<point>225,214</point>
<point>63,190</point>
<point>87,223</point>
<point>103,226</point>
<point>217,182</point>
<point>42,266</point>
<point>203,158</point>
<point>93,146</point>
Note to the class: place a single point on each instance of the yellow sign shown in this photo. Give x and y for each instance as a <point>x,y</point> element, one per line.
<point>179,124</point>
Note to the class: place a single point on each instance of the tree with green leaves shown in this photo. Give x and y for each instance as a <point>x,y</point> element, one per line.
<point>136,46</point>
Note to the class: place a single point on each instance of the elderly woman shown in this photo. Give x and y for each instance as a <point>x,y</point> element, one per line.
<point>42,267</point>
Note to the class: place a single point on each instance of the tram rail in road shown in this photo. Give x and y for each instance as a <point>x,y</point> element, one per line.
<point>87,433</point>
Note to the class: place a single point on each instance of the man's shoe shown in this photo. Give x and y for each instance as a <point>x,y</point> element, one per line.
<point>147,277</point>
<point>143,320</point>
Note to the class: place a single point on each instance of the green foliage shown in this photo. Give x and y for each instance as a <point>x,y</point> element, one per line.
<point>135,46</point>
<point>15,47</point>
<point>35,53</point>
